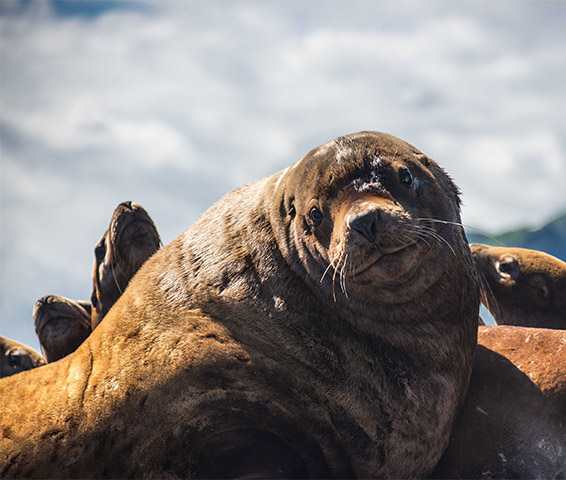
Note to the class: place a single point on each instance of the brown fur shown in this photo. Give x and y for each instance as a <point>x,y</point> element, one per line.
<point>267,341</point>
<point>522,287</point>
<point>129,241</point>
<point>61,325</point>
<point>15,357</point>
<point>513,422</point>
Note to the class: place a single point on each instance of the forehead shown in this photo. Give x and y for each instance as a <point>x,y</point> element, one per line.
<point>363,157</point>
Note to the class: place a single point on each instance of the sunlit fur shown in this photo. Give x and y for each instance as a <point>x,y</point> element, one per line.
<point>531,294</point>
<point>61,325</point>
<point>231,353</point>
<point>129,241</point>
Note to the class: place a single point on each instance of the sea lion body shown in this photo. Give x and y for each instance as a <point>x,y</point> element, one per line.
<point>307,326</point>
<point>522,287</point>
<point>15,357</point>
<point>513,422</point>
<point>61,325</point>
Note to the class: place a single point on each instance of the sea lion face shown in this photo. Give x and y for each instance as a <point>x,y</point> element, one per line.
<point>370,217</point>
<point>61,325</point>
<point>129,241</point>
<point>16,357</point>
<point>522,287</point>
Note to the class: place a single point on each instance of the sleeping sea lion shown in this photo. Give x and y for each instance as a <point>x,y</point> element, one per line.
<point>61,325</point>
<point>15,357</point>
<point>129,241</point>
<point>318,323</point>
<point>513,422</point>
<point>522,287</point>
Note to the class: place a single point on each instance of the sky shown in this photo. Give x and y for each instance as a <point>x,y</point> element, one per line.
<point>174,103</point>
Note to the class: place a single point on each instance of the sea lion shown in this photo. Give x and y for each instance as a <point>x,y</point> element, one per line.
<point>15,357</point>
<point>129,241</point>
<point>513,422</point>
<point>317,323</point>
<point>61,325</point>
<point>522,287</point>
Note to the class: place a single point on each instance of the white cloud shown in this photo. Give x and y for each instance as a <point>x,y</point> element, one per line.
<point>175,107</point>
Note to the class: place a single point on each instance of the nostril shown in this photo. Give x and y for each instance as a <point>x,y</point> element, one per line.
<point>43,301</point>
<point>365,224</point>
<point>127,205</point>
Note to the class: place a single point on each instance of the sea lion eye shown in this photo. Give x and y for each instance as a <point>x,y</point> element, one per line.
<point>508,267</point>
<point>315,217</point>
<point>14,359</point>
<point>100,251</point>
<point>406,177</point>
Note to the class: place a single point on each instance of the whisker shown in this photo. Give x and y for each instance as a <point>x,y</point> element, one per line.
<point>343,278</point>
<point>431,233</point>
<point>334,279</point>
<point>331,264</point>
<point>481,232</point>
<point>115,279</point>
<point>422,236</point>
<point>488,298</point>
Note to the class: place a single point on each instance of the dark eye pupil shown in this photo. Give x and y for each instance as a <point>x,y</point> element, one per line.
<point>406,177</point>
<point>100,252</point>
<point>315,215</point>
<point>505,267</point>
<point>14,360</point>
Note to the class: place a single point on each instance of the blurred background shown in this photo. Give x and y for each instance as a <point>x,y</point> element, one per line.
<point>173,103</point>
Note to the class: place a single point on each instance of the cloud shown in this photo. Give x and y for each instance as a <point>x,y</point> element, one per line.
<point>172,104</point>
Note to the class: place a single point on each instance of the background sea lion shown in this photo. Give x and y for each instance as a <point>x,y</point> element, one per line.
<point>513,422</point>
<point>16,357</point>
<point>129,241</point>
<point>522,287</point>
<point>61,325</point>
<point>320,322</point>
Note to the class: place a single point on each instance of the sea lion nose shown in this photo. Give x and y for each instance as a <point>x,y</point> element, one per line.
<point>127,205</point>
<point>365,223</point>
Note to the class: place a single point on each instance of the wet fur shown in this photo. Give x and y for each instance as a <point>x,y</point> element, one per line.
<point>227,348</point>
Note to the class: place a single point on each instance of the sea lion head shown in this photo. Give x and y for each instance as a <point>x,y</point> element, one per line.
<point>129,241</point>
<point>372,221</point>
<point>522,287</point>
<point>61,325</point>
<point>16,357</point>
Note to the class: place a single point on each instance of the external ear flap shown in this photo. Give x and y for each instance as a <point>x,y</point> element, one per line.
<point>540,292</point>
<point>291,211</point>
<point>544,292</point>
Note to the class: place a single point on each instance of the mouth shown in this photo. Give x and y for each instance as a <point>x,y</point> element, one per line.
<point>392,264</point>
